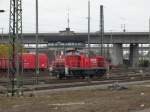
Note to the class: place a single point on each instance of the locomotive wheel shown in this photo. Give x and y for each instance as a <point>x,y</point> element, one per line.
<point>60,76</point>
<point>91,76</point>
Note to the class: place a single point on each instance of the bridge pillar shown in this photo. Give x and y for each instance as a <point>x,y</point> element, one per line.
<point>117,54</point>
<point>134,55</point>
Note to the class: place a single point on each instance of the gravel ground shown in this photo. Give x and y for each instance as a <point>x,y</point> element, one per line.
<point>145,110</point>
<point>133,99</point>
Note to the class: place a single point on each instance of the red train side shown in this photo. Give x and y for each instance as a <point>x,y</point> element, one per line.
<point>43,61</point>
<point>28,61</point>
<point>4,63</point>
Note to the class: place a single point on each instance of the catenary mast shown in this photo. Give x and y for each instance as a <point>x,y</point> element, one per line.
<point>89,49</point>
<point>15,39</point>
<point>102,30</point>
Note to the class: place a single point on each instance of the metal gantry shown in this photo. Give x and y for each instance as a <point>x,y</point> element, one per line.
<point>15,40</point>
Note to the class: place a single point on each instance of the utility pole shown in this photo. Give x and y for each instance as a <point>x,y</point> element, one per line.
<point>111,40</point>
<point>2,29</point>
<point>2,11</point>
<point>37,43</point>
<point>101,29</point>
<point>89,28</point>
<point>123,27</point>
<point>15,35</point>
<point>68,20</point>
<point>149,42</point>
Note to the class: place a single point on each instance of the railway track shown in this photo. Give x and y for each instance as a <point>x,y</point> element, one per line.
<point>46,82</point>
<point>49,80</point>
<point>57,86</point>
<point>81,83</point>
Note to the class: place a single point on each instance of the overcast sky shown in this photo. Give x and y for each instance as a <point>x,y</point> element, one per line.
<point>53,15</point>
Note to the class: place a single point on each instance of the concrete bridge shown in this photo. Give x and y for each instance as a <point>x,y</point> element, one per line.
<point>114,37</point>
<point>80,40</point>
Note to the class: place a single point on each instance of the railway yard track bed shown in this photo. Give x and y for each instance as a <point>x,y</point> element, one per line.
<point>84,83</point>
<point>95,99</point>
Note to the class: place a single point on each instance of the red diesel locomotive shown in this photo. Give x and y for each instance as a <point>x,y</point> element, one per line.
<point>79,65</point>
